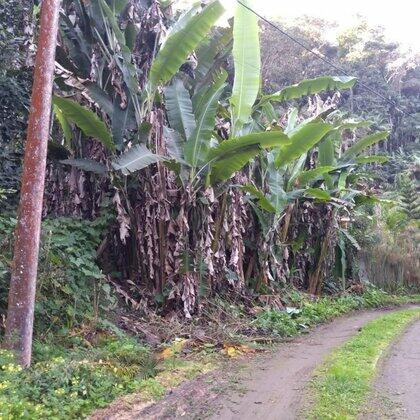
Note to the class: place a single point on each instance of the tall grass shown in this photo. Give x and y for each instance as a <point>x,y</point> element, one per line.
<point>393,264</point>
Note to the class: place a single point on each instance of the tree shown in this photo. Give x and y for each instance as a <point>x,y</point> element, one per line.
<point>20,311</point>
<point>15,82</point>
<point>363,51</point>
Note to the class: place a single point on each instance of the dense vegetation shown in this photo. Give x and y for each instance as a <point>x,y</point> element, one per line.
<point>214,186</point>
<point>195,216</point>
<point>75,372</point>
<point>187,169</point>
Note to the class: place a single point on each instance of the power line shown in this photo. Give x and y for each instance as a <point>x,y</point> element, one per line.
<point>320,56</point>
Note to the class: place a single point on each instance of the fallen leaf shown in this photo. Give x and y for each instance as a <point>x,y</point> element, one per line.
<point>235,350</point>
<point>166,353</point>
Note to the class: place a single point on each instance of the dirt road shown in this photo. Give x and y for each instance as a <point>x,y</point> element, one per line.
<point>275,388</point>
<point>398,384</point>
<point>272,386</point>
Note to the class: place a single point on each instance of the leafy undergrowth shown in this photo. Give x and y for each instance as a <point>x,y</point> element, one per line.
<point>342,384</point>
<point>74,375</point>
<point>306,313</point>
<point>71,288</point>
<point>71,380</point>
<point>66,382</point>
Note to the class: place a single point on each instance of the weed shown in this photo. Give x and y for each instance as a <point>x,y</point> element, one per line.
<point>70,384</point>
<point>308,313</point>
<point>276,322</point>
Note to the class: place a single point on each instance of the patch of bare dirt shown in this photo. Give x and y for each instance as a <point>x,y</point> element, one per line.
<point>197,398</point>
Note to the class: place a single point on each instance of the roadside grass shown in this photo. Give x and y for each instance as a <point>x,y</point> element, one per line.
<point>70,381</point>
<point>302,312</point>
<point>341,385</point>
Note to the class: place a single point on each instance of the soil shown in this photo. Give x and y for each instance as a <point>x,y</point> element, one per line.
<point>397,387</point>
<point>270,386</point>
<point>276,388</point>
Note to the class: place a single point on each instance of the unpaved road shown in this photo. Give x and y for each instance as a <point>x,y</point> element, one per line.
<point>275,388</point>
<point>398,383</point>
<point>272,386</point>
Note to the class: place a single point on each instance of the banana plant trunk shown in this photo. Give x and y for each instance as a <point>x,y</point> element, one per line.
<point>20,314</point>
<point>316,279</point>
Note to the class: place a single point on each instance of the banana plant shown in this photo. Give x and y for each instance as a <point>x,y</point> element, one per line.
<point>127,122</point>
<point>284,170</point>
<point>194,126</point>
<point>327,178</point>
<point>191,119</point>
<point>349,162</point>
<point>288,162</point>
<point>285,179</point>
<point>212,132</point>
<point>191,135</point>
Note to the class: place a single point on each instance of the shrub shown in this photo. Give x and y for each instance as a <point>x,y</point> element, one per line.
<point>276,322</point>
<point>71,287</point>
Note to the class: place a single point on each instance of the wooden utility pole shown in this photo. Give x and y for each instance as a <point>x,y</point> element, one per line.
<point>20,313</point>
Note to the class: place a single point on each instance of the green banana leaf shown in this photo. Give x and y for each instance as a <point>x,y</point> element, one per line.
<point>125,64</point>
<point>352,125</point>
<point>211,53</point>
<point>310,87</point>
<point>317,193</point>
<point>174,143</point>
<point>351,239</point>
<point>88,165</point>
<point>326,154</point>
<point>100,97</point>
<point>262,200</point>
<point>136,158</point>
<point>232,155</point>
<point>86,120</point>
<point>65,126</point>
<point>362,160</point>
<point>179,109</point>
<point>326,150</point>
<point>224,169</point>
<point>265,140</point>
<point>205,107</point>
<point>247,62</point>
<point>182,41</point>
<point>306,177</point>
<point>112,21</point>
<point>302,140</point>
<point>363,144</point>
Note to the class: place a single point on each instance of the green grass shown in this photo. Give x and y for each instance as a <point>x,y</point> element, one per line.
<point>342,384</point>
<point>304,313</point>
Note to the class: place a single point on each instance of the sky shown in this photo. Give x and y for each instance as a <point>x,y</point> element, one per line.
<point>401,19</point>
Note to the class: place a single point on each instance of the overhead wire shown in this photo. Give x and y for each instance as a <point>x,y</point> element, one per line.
<point>320,56</point>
